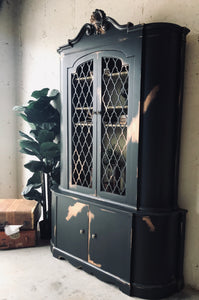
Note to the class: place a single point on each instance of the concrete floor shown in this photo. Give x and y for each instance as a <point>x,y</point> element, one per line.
<point>34,274</point>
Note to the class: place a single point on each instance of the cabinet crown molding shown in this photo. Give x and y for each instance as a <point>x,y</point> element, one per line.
<point>99,24</point>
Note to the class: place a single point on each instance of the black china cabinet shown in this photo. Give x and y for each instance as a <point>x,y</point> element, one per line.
<point>115,213</point>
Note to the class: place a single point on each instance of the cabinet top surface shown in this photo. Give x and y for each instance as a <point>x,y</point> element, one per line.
<point>102,28</point>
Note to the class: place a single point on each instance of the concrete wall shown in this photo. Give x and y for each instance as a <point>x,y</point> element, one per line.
<point>44,25</point>
<point>8,179</point>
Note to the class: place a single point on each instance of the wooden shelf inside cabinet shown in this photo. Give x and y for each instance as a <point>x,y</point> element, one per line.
<point>84,78</point>
<point>109,74</point>
<point>117,107</point>
<point>116,125</point>
<point>83,124</point>
<point>84,108</point>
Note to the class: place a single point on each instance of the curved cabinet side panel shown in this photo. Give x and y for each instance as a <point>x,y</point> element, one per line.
<point>163,57</point>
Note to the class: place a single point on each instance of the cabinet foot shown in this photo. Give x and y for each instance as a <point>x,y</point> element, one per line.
<point>155,291</point>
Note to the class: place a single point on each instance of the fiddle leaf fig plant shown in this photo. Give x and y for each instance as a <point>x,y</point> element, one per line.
<point>43,144</point>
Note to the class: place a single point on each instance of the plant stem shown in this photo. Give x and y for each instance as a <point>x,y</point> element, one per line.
<point>44,196</point>
<point>49,195</point>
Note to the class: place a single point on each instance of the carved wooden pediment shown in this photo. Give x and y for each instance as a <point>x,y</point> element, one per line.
<point>99,24</point>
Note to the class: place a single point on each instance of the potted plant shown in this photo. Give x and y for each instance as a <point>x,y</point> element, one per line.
<point>43,143</point>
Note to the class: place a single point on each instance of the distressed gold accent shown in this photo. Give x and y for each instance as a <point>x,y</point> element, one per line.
<point>109,211</point>
<point>148,221</point>
<point>98,53</point>
<point>55,229</point>
<point>93,263</point>
<point>74,210</point>
<point>150,97</point>
<point>91,217</point>
<point>123,281</point>
<point>74,198</point>
<point>100,29</point>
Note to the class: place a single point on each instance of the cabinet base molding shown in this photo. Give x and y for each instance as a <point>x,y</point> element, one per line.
<point>124,286</point>
<point>130,289</point>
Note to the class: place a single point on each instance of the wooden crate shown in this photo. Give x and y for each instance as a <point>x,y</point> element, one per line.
<point>25,238</point>
<point>19,212</point>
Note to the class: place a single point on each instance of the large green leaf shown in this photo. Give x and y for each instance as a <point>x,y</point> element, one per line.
<point>35,166</point>
<point>50,150</point>
<point>48,125</point>
<point>31,101</point>
<point>30,187</point>
<point>51,126</point>
<point>45,136</point>
<point>34,133</point>
<point>33,195</point>
<point>40,93</point>
<point>41,111</point>
<point>33,126</point>
<point>35,179</point>
<point>31,146</point>
<point>24,117</point>
<point>19,108</point>
<point>26,151</point>
<point>27,189</point>
<point>26,136</point>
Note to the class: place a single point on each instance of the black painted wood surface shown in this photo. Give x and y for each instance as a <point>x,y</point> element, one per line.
<point>135,240</point>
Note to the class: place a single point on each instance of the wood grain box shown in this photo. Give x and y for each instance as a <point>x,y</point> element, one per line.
<point>24,238</point>
<point>19,212</point>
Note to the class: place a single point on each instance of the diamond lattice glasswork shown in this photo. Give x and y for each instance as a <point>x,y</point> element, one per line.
<point>114,125</point>
<point>82,125</point>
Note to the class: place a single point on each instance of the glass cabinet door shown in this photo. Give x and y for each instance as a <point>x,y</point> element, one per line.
<point>119,113</point>
<point>101,148</point>
<point>114,116</point>
<point>82,127</point>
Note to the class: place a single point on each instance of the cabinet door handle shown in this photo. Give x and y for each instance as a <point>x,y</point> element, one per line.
<point>94,236</point>
<point>82,231</point>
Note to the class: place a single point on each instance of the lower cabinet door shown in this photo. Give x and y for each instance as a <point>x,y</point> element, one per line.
<point>110,238</point>
<point>72,227</point>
